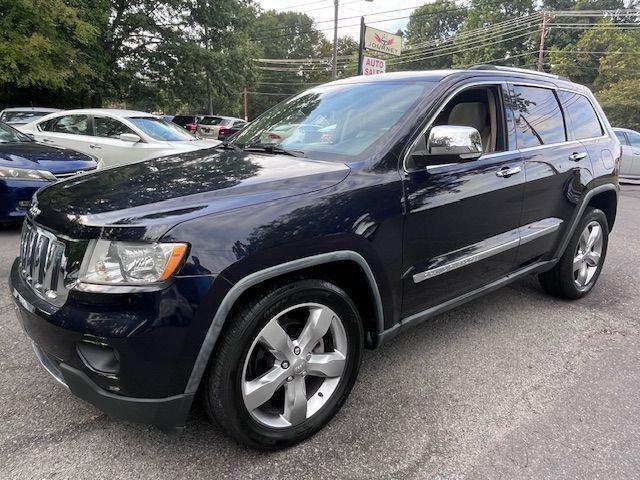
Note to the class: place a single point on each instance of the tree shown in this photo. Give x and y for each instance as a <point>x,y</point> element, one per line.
<point>621,103</point>
<point>601,57</point>
<point>496,44</point>
<point>42,44</point>
<point>292,36</point>
<point>434,24</point>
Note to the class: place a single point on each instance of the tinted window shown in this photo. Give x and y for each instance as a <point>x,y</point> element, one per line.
<point>184,120</point>
<point>634,139</point>
<point>622,138</point>
<point>584,120</point>
<point>74,124</point>
<point>539,119</point>
<point>109,127</point>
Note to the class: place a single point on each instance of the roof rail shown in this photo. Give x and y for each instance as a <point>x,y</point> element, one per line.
<point>517,70</point>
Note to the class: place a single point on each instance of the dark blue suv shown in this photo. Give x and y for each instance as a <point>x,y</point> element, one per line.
<point>258,271</point>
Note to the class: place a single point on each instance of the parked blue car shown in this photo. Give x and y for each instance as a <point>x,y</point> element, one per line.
<point>26,166</point>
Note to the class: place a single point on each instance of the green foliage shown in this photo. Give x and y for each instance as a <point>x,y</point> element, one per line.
<point>434,22</point>
<point>621,103</point>
<point>42,45</point>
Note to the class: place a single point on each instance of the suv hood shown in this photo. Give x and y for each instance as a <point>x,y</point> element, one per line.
<point>163,192</point>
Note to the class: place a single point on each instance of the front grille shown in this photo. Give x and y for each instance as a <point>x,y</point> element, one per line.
<point>43,263</point>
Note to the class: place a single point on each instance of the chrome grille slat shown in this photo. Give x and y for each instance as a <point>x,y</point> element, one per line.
<point>43,262</point>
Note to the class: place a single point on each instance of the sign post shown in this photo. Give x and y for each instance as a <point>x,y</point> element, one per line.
<point>376,40</point>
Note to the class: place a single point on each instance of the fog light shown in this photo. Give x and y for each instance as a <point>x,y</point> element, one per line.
<point>99,357</point>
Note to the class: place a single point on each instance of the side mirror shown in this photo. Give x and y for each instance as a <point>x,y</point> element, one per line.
<point>454,141</point>
<point>129,137</point>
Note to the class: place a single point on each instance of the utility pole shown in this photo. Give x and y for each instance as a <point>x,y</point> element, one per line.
<point>543,33</point>
<point>245,94</point>
<point>335,39</point>
<point>361,47</point>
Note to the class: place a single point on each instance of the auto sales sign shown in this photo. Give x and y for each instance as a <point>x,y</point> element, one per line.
<point>372,66</point>
<point>381,41</point>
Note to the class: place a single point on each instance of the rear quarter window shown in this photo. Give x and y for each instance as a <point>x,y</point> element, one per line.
<point>539,119</point>
<point>584,120</point>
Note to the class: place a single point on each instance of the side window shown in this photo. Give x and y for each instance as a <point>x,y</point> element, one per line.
<point>48,125</point>
<point>539,120</point>
<point>238,124</point>
<point>584,120</point>
<point>109,127</point>
<point>622,138</point>
<point>634,139</point>
<point>73,124</point>
<point>477,107</point>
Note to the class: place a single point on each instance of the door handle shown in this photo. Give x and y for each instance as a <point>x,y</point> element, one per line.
<point>507,172</point>
<point>576,156</point>
<point>95,147</point>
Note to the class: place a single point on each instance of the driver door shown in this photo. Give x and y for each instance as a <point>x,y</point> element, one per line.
<point>462,217</point>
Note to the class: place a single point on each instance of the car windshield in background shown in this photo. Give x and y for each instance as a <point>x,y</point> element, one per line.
<point>21,117</point>
<point>11,135</point>
<point>341,120</point>
<point>211,121</point>
<point>160,129</point>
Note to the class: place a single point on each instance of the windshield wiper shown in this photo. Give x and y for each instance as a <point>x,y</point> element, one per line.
<point>271,148</point>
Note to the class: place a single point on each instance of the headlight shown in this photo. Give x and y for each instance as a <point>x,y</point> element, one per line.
<point>7,173</point>
<point>130,263</point>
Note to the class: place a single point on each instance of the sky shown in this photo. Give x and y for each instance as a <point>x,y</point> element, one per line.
<point>322,12</point>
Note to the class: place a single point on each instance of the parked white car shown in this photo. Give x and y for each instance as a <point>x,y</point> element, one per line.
<point>115,137</point>
<point>630,161</point>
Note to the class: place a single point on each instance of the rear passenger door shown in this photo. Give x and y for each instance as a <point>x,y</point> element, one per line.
<point>556,168</point>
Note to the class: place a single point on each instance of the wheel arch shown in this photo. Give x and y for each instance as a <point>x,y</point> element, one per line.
<point>607,201</point>
<point>352,266</point>
<point>606,196</point>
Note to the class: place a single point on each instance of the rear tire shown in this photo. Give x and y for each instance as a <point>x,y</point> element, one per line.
<point>578,269</point>
<point>285,364</point>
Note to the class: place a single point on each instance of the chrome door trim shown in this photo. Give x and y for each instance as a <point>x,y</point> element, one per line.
<point>521,235</point>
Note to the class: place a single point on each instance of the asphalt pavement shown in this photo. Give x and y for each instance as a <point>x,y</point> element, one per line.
<point>514,385</point>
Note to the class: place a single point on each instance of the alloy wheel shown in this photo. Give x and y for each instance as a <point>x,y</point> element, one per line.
<point>586,260</point>
<point>294,365</point>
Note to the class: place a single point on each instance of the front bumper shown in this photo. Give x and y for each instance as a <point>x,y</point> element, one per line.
<point>166,413</point>
<point>152,333</point>
<point>15,198</point>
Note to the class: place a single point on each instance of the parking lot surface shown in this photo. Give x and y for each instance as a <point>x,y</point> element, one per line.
<point>514,385</point>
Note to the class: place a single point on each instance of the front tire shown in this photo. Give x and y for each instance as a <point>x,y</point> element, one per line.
<point>578,269</point>
<point>285,364</point>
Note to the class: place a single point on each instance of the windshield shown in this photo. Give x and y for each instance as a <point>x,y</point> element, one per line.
<point>334,120</point>
<point>21,117</point>
<point>160,129</point>
<point>11,135</point>
<point>211,121</point>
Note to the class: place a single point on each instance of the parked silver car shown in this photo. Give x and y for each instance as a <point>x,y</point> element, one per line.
<point>630,163</point>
